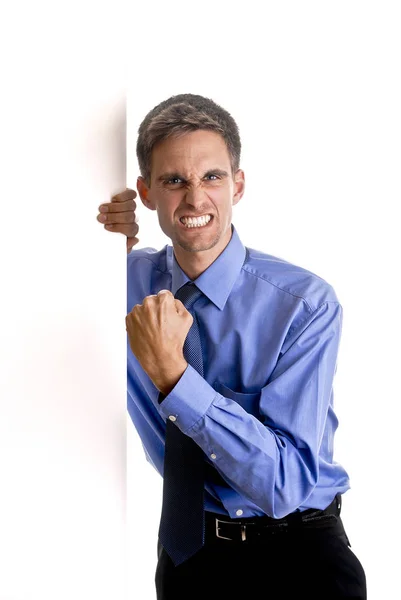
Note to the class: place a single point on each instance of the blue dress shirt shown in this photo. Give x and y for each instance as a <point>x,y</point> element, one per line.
<point>263,412</point>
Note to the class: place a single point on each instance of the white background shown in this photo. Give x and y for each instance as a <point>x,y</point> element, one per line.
<point>315,90</point>
<point>62,304</point>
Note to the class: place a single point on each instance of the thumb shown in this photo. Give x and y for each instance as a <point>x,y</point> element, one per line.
<point>180,307</point>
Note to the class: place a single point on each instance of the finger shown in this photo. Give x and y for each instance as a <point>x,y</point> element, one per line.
<point>166,296</point>
<point>180,308</point>
<point>122,217</point>
<point>125,195</point>
<point>165,293</point>
<point>114,207</point>
<point>148,297</point>
<point>131,242</point>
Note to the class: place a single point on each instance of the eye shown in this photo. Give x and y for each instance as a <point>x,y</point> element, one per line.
<point>173,180</point>
<point>212,175</point>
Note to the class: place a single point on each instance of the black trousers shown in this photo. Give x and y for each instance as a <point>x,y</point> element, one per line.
<point>305,558</point>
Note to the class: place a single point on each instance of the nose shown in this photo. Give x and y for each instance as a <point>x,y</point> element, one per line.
<point>195,195</point>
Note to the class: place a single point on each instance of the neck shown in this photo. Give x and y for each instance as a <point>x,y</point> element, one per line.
<point>195,263</point>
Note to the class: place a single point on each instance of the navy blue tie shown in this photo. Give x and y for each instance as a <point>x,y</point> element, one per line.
<point>182,523</point>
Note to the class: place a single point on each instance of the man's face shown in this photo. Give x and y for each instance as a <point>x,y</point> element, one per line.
<point>191,176</point>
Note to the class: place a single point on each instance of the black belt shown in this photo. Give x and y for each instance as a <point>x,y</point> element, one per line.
<point>256,528</point>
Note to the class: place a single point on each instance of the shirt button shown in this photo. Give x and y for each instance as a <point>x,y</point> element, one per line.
<point>239,512</point>
<point>172,418</point>
<point>213,456</point>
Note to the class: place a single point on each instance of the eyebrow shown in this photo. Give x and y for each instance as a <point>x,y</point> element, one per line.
<point>172,174</point>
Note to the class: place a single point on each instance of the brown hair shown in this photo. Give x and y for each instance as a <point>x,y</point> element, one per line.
<point>181,114</point>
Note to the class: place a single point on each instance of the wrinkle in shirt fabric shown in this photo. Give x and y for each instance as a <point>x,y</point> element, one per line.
<point>264,408</point>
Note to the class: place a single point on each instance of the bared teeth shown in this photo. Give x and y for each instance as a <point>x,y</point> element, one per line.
<point>195,222</point>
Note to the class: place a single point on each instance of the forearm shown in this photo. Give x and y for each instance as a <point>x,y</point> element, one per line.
<point>257,463</point>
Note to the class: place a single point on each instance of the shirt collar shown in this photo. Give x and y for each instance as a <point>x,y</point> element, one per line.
<point>219,278</point>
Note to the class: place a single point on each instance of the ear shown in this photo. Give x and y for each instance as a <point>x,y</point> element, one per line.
<point>239,186</point>
<point>143,192</point>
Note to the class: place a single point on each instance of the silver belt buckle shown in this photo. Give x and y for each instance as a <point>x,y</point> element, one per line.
<point>222,537</point>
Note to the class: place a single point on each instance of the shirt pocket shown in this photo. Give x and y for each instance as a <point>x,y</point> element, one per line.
<point>249,401</point>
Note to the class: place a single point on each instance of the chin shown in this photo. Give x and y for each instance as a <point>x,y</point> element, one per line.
<point>197,245</point>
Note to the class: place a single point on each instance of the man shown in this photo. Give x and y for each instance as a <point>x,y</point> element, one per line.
<point>232,389</point>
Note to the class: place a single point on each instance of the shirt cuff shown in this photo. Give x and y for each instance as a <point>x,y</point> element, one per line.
<point>188,401</point>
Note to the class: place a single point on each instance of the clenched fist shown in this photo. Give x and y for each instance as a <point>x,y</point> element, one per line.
<point>157,330</point>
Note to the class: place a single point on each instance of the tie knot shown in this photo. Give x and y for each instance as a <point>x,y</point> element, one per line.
<point>188,294</point>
